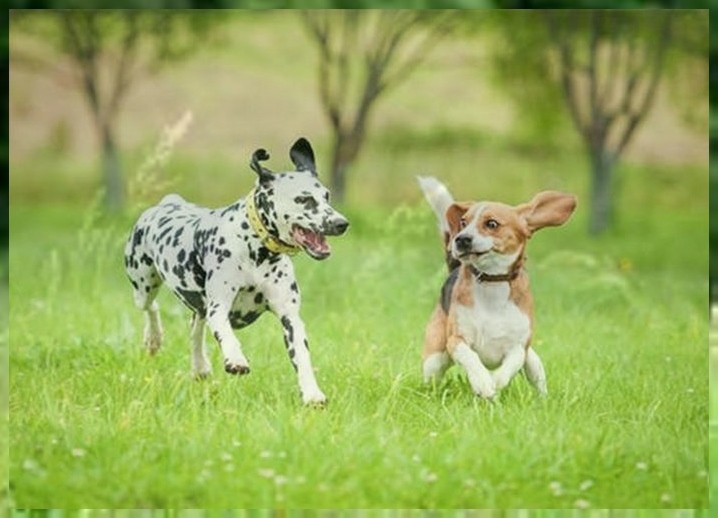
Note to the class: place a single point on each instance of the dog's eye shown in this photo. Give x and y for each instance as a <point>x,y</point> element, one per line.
<point>462,223</point>
<point>491,224</point>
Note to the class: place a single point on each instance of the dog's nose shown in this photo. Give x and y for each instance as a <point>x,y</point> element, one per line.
<point>462,243</point>
<point>341,226</point>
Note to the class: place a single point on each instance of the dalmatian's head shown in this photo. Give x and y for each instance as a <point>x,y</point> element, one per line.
<point>294,205</point>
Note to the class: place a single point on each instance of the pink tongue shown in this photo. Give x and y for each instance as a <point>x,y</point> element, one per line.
<point>315,241</point>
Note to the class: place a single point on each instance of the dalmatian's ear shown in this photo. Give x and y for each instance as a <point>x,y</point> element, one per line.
<point>265,175</point>
<point>302,156</point>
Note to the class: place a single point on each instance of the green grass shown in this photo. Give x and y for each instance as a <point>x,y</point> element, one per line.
<point>621,328</point>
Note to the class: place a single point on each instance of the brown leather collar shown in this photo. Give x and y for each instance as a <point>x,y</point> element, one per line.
<point>485,277</point>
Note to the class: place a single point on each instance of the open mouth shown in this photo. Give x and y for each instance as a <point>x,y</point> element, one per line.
<point>314,243</point>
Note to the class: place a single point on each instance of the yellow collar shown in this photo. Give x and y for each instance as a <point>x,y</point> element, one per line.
<point>273,243</point>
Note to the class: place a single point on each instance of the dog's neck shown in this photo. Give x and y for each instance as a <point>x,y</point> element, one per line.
<point>513,272</point>
<point>486,277</point>
<point>262,226</point>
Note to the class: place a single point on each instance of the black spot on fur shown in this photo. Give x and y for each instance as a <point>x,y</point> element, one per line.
<point>238,320</point>
<point>447,288</point>
<point>137,237</point>
<point>288,328</point>
<point>262,255</point>
<point>193,300</point>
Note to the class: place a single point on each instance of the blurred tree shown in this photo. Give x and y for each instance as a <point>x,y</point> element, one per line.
<point>713,186</point>
<point>362,55</point>
<point>4,186</point>
<point>607,101</point>
<point>604,66</point>
<point>109,51</point>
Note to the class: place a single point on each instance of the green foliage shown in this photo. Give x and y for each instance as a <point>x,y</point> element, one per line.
<point>164,36</point>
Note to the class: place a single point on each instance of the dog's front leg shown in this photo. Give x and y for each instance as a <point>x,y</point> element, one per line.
<point>218,321</point>
<point>511,364</point>
<point>479,376</point>
<point>295,339</point>
<point>284,301</point>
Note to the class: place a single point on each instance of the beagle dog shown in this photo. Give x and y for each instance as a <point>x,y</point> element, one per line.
<point>484,318</point>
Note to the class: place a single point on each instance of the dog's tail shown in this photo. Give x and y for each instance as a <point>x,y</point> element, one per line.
<point>439,199</point>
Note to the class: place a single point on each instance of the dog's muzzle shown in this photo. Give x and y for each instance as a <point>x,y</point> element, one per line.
<point>463,243</point>
<point>336,227</point>
<point>314,241</point>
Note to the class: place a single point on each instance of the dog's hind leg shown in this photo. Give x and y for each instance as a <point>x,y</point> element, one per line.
<point>146,283</point>
<point>435,358</point>
<point>533,368</point>
<point>435,366</point>
<point>201,367</point>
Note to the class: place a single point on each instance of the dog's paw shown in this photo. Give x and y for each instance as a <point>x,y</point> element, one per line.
<point>201,375</point>
<point>315,399</point>
<point>484,387</point>
<point>153,341</point>
<point>500,379</point>
<point>236,368</point>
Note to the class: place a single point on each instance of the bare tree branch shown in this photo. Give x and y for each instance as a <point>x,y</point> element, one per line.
<point>123,76</point>
<point>361,56</point>
<point>641,111</point>
<point>566,66</point>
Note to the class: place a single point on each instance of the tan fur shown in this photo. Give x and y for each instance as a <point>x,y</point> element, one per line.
<point>463,292</point>
<point>521,296</point>
<point>435,336</point>
<point>454,214</point>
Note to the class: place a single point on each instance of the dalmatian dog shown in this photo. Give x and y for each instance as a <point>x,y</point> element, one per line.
<point>230,265</point>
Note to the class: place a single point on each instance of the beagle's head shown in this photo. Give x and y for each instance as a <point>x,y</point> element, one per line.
<point>491,236</point>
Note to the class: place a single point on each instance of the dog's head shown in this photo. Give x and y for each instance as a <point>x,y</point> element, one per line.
<point>294,205</point>
<point>491,236</point>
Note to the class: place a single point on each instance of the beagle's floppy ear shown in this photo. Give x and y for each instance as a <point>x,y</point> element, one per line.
<point>453,217</point>
<point>547,209</point>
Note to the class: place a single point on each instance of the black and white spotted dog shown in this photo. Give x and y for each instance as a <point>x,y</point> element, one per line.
<point>229,265</point>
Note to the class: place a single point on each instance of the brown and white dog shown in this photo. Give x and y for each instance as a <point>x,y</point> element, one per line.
<point>484,319</point>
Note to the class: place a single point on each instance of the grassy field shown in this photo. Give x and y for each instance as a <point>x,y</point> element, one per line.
<point>622,329</point>
<point>622,320</point>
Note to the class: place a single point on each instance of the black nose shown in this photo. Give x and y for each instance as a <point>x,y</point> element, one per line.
<point>462,242</point>
<point>340,226</point>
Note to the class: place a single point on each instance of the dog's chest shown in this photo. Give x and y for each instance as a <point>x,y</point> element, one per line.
<point>494,324</point>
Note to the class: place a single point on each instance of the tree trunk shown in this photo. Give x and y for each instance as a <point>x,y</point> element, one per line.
<point>338,174</point>
<point>601,209</point>
<point>111,170</point>
<point>346,148</point>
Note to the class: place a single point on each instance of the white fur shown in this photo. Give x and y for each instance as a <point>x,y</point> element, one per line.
<point>439,198</point>
<point>153,333</point>
<point>494,325</point>
<point>435,365</point>
<point>201,366</point>
<point>479,377</point>
<point>535,372</point>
